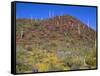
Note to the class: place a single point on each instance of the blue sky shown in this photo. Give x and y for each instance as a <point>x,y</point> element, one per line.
<point>38,11</point>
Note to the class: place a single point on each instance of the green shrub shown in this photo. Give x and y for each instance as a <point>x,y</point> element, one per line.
<point>91,58</point>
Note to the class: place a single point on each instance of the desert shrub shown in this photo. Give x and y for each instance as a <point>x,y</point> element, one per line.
<point>40,59</point>
<point>54,63</point>
<point>53,45</point>
<point>42,67</point>
<point>91,58</point>
<point>91,61</point>
<point>48,61</point>
<point>21,62</point>
<point>22,68</point>
<point>20,55</point>
<point>38,26</point>
<point>73,62</point>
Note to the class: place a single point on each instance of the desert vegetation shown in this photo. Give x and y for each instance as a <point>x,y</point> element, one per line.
<point>54,44</point>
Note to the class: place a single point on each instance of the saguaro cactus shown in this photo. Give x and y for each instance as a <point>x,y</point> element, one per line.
<point>88,23</point>
<point>22,33</point>
<point>31,20</point>
<point>79,29</point>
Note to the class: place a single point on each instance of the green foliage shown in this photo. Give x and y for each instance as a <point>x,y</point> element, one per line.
<point>40,59</point>
<point>91,61</point>
<point>91,58</point>
<point>49,61</point>
<point>22,68</point>
<point>38,26</point>
<point>44,42</point>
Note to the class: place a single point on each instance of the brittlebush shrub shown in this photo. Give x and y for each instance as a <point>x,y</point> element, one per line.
<point>42,67</point>
<point>40,59</point>
<point>50,62</point>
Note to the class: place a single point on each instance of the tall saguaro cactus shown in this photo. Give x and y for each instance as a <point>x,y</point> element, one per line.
<point>22,33</point>
<point>79,29</point>
<point>49,14</point>
<point>31,20</point>
<point>88,23</point>
<point>84,61</point>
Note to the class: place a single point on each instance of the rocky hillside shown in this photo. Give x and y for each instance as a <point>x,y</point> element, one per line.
<point>64,36</point>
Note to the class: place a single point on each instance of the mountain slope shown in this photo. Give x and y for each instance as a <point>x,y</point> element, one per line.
<point>64,37</point>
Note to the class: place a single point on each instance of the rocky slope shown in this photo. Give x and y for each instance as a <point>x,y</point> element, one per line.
<point>64,36</point>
